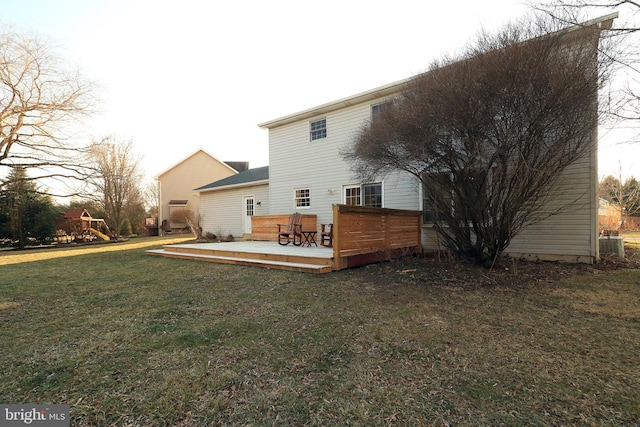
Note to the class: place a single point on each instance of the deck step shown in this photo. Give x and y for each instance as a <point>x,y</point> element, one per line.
<point>282,265</point>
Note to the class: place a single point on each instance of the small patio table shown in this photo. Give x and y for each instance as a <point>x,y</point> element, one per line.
<point>309,237</point>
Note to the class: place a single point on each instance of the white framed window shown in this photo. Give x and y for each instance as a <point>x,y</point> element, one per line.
<point>363,195</point>
<point>432,205</point>
<point>302,198</point>
<point>439,205</point>
<point>249,206</point>
<point>352,195</point>
<point>372,195</point>
<point>318,129</point>
<point>378,109</point>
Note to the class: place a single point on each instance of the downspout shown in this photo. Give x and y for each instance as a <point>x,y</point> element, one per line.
<point>160,216</point>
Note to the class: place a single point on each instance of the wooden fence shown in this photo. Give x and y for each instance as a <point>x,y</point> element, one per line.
<point>612,222</point>
<point>363,235</point>
<point>266,227</point>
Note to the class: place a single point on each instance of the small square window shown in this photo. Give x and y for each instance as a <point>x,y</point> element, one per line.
<point>352,196</point>
<point>318,129</point>
<point>378,110</point>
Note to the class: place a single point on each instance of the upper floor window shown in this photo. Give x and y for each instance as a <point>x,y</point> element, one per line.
<point>318,129</point>
<point>378,109</point>
<point>302,198</point>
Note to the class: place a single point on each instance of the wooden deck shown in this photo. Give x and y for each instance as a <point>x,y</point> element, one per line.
<point>361,235</point>
<point>266,254</point>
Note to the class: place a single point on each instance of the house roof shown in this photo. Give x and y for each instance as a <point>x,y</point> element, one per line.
<point>239,166</point>
<point>190,156</point>
<point>335,105</point>
<point>76,213</point>
<point>603,22</point>
<point>248,177</point>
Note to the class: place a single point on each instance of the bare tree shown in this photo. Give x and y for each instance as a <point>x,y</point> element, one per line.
<point>116,183</point>
<point>39,99</point>
<point>573,12</point>
<point>624,195</point>
<point>195,228</point>
<point>152,198</point>
<point>625,36</point>
<point>489,133</point>
<point>182,217</point>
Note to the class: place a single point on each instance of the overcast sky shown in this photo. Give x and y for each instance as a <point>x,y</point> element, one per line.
<point>175,76</point>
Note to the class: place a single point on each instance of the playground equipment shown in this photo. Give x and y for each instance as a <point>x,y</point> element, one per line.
<point>78,224</point>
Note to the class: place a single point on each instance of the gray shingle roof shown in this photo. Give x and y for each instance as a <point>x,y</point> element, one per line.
<point>246,177</point>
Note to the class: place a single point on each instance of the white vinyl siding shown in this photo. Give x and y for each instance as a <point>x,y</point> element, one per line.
<point>570,235</point>
<point>295,164</point>
<point>222,211</point>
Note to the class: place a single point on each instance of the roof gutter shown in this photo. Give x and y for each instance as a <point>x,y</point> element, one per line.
<point>335,105</point>
<point>233,186</point>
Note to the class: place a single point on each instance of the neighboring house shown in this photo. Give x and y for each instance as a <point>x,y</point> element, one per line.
<point>176,184</point>
<point>227,205</point>
<point>606,208</point>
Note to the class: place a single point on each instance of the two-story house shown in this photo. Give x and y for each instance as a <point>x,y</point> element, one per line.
<point>308,174</point>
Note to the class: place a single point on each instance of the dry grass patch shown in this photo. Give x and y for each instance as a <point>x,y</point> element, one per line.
<point>612,299</point>
<point>9,305</point>
<point>31,255</point>
<point>129,339</point>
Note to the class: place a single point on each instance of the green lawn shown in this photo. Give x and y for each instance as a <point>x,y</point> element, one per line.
<point>130,339</point>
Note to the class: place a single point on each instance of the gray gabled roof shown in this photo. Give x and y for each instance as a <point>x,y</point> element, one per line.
<point>250,176</point>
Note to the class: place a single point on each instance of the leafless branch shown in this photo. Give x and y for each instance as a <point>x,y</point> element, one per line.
<point>488,134</point>
<point>39,98</point>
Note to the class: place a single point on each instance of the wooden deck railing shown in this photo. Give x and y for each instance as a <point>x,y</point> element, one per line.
<point>363,235</point>
<point>266,227</point>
